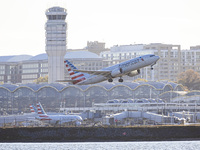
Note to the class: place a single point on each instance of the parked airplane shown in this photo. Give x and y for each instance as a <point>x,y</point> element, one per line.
<point>130,68</point>
<point>16,119</point>
<point>56,119</point>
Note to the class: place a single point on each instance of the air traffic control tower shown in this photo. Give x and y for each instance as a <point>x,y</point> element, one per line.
<point>56,28</point>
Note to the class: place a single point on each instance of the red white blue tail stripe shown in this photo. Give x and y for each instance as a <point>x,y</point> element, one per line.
<point>40,109</point>
<point>74,75</point>
<point>42,114</point>
<point>33,109</point>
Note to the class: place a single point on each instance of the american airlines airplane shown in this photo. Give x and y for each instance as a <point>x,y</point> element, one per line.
<point>56,119</point>
<point>130,68</point>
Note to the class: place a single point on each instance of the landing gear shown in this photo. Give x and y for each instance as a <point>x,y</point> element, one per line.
<point>152,66</point>
<point>110,80</point>
<point>120,80</point>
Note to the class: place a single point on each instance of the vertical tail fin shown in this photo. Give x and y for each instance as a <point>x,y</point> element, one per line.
<point>40,109</point>
<point>74,75</point>
<point>33,109</point>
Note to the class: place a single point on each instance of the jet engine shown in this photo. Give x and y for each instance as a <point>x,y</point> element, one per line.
<point>133,73</point>
<point>116,72</point>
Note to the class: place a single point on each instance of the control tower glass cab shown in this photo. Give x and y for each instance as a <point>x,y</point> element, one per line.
<point>56,42</point>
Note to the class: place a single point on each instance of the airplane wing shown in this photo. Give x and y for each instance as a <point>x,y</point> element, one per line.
<point>98,72</point>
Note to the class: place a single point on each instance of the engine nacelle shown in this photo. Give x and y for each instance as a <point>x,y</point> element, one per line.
<point>116,72</point>
<point>133,73</point>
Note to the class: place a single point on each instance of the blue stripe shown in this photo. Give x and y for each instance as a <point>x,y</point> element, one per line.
<point>71,65</point>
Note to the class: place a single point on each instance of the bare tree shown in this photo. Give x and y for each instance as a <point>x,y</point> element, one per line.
<point>190,79</point>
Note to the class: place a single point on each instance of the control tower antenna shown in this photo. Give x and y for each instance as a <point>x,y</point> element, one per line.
<point>56,29</point>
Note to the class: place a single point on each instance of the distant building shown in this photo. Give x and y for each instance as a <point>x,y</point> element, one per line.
<point>197,47</point>
<point>25,68</point>
<point>22,68</point>
<point>96,47</point>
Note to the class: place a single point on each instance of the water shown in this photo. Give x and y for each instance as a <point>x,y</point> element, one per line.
<point>164,145</point>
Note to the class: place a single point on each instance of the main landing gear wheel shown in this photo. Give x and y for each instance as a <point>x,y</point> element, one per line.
<point>120,80</point>
<point>152,66</point>
<point>110,80</point>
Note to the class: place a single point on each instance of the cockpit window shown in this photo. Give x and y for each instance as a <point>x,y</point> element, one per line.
<point>152,55</point>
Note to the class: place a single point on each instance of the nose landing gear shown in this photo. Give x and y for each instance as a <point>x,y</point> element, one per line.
<point>152,66</point>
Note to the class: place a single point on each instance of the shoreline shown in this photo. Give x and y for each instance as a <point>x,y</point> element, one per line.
<point>100,134</point>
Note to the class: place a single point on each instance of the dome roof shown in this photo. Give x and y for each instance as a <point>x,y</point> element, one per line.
<point>5,58</point>
<point>39,57</point>
<point>44,56</point>
<point>106,86</point>
<point>14,58</point>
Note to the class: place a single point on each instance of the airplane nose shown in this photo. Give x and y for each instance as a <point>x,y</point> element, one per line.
<point>157,57</point>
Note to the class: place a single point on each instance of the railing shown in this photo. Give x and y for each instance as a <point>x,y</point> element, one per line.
<point>136,107</point>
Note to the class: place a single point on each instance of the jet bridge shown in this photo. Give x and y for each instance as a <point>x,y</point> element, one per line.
<point>157,118</point>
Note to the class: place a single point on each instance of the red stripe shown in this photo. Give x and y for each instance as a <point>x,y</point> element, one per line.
<point>69,69</point>
<point>45,119</point>
<point>43,116</point>
<point>71,73</point>
<point>77,76</point>
<point>77,81</point>
<point>66,65</point>
<point>40,113</point>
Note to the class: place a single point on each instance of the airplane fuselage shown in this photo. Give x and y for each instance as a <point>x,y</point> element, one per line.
<point>123,68</point>
<point>53,119</point>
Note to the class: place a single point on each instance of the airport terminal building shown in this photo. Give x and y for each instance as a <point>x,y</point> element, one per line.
<point>16,98</point>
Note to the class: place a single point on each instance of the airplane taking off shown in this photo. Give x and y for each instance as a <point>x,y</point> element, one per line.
<point>55,119</point>
<point>130,68</point>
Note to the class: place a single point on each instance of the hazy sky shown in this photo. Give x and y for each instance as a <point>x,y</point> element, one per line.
<point>114,22</point>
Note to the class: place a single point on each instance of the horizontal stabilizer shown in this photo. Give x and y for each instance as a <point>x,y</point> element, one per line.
<point>97,72</point>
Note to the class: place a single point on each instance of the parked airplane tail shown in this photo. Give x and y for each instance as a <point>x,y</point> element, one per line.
<point>40,109</point>
<point>75,76</point>
<point>33,109</point>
